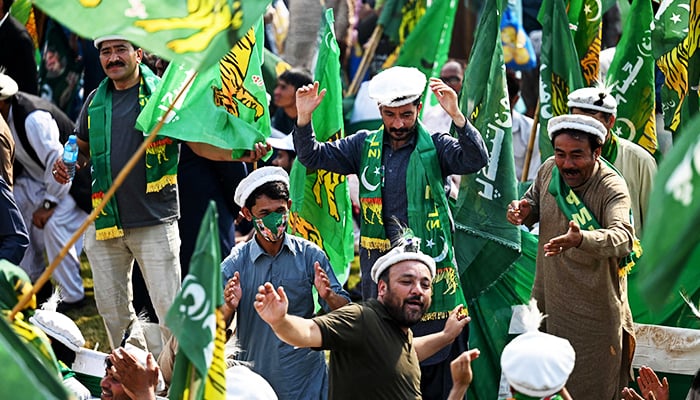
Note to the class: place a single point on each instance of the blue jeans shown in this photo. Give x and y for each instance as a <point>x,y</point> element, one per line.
<point>157,250</point>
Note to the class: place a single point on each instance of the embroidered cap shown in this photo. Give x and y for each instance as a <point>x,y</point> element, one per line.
<point>593,98</point>
<point>536,363</point>
<point>8,87</point>
<point>397,86</point>
<point>576,122</point>
<point>105,38</point>
<point>409,249</point>
<point>256,179</point>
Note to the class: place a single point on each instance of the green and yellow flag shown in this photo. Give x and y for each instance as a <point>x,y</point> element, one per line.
<point>560,71</point>
<point>585,20</point>
<point>225,106</point>
<point>485,243</point>
<point>631,77</point>
<point>190,32</point>
<point>197,322</point>
<point>399,18</point>
<point>321,207</point>
<point>681,64</point>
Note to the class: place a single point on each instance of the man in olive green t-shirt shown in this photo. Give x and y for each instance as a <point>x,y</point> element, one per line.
<point>373,351</point>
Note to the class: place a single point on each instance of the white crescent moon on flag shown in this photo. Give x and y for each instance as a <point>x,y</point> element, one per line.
<point>630,125</point>
<point>443,253</point>
<point>599,5</point>
<point>365,183</point>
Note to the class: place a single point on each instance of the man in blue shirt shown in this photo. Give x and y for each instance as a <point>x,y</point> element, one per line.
<point>284,260</point>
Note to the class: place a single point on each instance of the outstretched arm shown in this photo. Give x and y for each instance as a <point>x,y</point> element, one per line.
<point>428,345</point>
<point>461,369</point>
<point>211,152</point>
<point>272,305</point>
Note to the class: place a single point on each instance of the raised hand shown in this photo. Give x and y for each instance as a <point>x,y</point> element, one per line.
<point>308,98</point>
<point>233,291</point>
<point>321,281</point>
<point>271,304</point>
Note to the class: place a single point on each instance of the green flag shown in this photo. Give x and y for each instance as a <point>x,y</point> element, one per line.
<point>670,26</point>
<point>321,207</point>
<point>24,373</point>
<point>485,243</point>
<point>670,236</point>
<point>587,25</point>
<point>631,77</point>
<point>197,323</point>
<point>272,67</point>
<point>681,69</point>
<point>560,71</point>
<point>193,33</point>
<point>399,17</point>
<point>225,105</point>
<point>428,44</point>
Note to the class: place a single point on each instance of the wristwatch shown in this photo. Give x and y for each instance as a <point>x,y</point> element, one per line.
<point>48,205</point>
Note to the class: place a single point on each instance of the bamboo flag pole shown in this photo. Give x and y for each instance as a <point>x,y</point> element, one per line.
<point>366,59</point>
<point>531,144</point>
<point>95,212</point>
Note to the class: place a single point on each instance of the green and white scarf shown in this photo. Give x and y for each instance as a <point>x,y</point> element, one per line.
<point>575,210</point>
<point>161,154</point>
<point>428,215</point>
<point>609,151</point>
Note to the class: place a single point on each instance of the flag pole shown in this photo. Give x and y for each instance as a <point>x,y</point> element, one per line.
<point>531,144</point>
<point>366,59</point>
<point>97,210</point>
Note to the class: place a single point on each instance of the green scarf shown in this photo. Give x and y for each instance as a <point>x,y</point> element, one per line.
<point>574,209</point>
<point>428,215</point>
<point>161,154</point>
<point>609,151</point>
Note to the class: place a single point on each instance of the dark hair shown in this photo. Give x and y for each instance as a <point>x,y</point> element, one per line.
<point>296,77</point>
<point>593,140</point>
<point>276,190</point>
<point>6,4</point>
<point>513,84</point>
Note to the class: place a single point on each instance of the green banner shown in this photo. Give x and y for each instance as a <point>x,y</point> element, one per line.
<point>193,33</point>
<point>485,243</point>
<point>681,67</point>
<point>587,36</point>
<point>321,207</point>
<point>196,321</point>
<point>631,76</point>
<point>225,106</point>
<point>560,71</point>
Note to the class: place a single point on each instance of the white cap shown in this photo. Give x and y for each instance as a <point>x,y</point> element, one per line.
<point>59,327</point>
<point>409,249</point>
<point>536,363</point>
<point>244,384</point>
<point>286,142</point>
<point>105,38</point>
<point>576,122</point>
<point>256,179</point>
<point>397,86</point>
<point>8,87</point>
<point>593,98</point>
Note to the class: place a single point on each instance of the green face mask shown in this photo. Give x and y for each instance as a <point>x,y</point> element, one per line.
<point>271,226</point>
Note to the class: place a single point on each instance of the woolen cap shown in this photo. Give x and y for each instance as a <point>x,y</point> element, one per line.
<point>397,86</point>
<point>105,38</point>
<point>408,250</point>
<point>256,179</point>
<point>593,98</point>
<point>8,87</point>
<point>576,122</point>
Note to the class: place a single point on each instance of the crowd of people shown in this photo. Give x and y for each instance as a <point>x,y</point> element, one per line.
<point>408,337</point>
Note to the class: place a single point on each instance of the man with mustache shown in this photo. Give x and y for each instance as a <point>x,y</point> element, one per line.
<point>374,354</point>
<point>402,170</point>
<point>586,239</point>
<point>140,221</point>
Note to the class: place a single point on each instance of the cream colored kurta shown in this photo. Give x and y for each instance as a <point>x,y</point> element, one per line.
<point>580,290</point>
<point>638,167</point>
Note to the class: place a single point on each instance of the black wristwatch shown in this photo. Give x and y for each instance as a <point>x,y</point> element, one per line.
<point>48,205</point>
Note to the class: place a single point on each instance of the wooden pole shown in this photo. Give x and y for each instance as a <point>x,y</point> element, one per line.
<point>531,144</point>
<point>95,212</point>
<point>366,59</point>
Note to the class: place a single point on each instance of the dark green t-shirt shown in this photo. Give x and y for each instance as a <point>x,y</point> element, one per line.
<point>371,357</point>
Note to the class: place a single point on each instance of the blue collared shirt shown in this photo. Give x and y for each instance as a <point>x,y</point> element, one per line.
<point>294,373</point>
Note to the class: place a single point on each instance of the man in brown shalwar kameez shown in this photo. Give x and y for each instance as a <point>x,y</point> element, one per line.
<point>583,208</point>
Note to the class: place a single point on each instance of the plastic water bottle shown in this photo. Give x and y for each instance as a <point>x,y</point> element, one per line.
<point>70,155</point>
